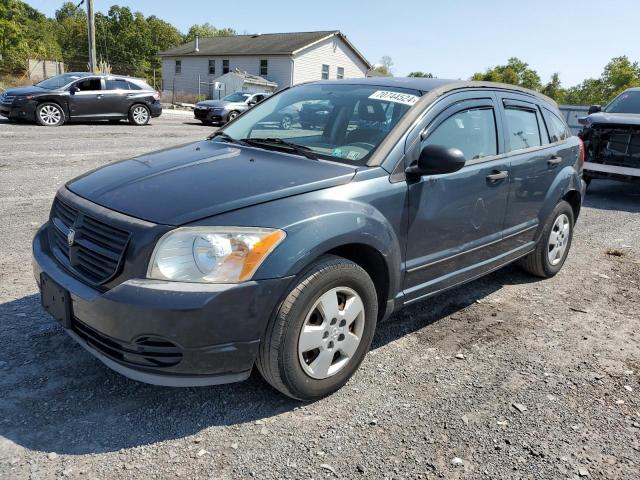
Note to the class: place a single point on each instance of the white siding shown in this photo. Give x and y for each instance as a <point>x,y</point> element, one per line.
<point>333,52</point>
<point>279,70</point>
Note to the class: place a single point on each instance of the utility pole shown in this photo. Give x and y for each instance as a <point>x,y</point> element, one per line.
<point>91,20</point>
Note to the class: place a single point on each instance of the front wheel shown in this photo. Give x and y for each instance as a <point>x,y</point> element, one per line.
<point>321,332</point>
<point>232,116</point>
<point>286,122</point>
<point>50,114</point>
<point>553,247</point>
<point>139,115</point>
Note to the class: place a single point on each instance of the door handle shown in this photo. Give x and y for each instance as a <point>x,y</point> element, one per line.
<point>497,175</point>
<point>555,160</point>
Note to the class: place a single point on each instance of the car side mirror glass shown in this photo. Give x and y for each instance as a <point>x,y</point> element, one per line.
<point>437,159</point>
<point>594,109</point>
<point>74,89</point>
<point>252,103</point>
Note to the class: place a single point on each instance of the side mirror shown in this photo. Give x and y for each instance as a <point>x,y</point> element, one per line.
<point>582,120</point>
<point>252,103</point>
<point>594,109</point>
<point>74,89</point>
<point>437,159</point>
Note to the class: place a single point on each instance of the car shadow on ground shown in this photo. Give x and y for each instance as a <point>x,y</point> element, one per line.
<point>612,195</point>
<point>58,398</point>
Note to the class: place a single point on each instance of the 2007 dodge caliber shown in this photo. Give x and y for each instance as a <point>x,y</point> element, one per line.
<point>284,248</point>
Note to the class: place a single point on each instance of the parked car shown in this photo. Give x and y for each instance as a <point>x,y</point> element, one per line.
<point>612,139</point>
<point>315,114</point>
<point>228,108</point>
<point>283,249</point>
<point>82,96</point>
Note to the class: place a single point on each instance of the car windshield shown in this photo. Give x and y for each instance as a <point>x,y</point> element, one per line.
<point>626,102</point>
<point>339,122</point>
<point>236,97</point>
<point>59,81</point>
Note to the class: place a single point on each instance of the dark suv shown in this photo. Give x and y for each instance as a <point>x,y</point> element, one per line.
<point>284,248</point>
<point>82,96</point>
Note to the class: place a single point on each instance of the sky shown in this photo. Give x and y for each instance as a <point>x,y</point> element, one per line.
<point>449,38</point>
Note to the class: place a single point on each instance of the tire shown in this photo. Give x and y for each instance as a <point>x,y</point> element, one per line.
<point>539,262</point>
<point>50,114</point>
<point>139,115</point>
<point>282,352</point>
<point>285,122</point>
<point>232,115</point>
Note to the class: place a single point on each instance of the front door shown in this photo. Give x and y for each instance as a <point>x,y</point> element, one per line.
<point>86,100</point>
<point>456,220</point>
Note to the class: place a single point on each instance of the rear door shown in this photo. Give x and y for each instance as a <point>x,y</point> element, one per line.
<point>456,220</point>
<point>115,97</point>
<point>87,102</point>
<point>534,162</point>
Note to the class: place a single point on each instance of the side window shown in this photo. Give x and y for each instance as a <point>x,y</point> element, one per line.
<point>89,85</point>
<point>134,86</point>
<point>325,72</point>
<point>523,129</point>
<point>178,70</point>
<point>473,131</point>
<point>212,67</point>
<point>116,84</point>
<point>225,66</point>
<point>558,130</point>
<point>264,68</point>
<point>340,74</point>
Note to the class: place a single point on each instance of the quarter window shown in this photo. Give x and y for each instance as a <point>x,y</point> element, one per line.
<point>558,130</point>
<point>116,84</point>
<point>340,75</point>
<point>212,67</point>
<point>225,66</point>
<point>523,128</point>
<point>472,131</point>
<point>264,68</point>
<point>325,72</point>
<point>178,67</point>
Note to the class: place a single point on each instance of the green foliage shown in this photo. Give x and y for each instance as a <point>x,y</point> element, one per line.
<point>125,40</point>
<point>420,74</point>
<point>515,72</point>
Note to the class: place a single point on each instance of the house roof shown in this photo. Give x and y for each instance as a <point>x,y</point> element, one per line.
<point>257,44</point>
<point>248,78</point>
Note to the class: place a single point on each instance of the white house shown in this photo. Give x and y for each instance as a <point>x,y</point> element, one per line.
<point>283,58</point>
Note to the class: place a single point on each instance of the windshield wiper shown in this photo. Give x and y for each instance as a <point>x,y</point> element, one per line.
<point>278,142</point>
<point>223,136</point>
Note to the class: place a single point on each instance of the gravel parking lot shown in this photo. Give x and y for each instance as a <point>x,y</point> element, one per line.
<point>506,377</point>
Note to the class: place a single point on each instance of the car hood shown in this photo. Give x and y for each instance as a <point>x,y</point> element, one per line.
<point>603,118</point>
<point>213,104</point>
<point>195,181</point>
<point>31,90</point>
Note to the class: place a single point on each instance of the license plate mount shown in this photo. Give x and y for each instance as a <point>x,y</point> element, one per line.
<point>55,300</point>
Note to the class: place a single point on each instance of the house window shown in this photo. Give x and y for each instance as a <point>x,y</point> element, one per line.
<point>340,73</point>
<point>325,72</point>
<point>178,67</point>
<point>264,68</point>
<point>225,66</point>
<point>212,67</point>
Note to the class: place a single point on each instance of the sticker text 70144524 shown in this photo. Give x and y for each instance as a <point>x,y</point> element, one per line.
<point>396,97</point>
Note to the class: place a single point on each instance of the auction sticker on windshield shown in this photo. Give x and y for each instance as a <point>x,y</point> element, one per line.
<point>396,97</point>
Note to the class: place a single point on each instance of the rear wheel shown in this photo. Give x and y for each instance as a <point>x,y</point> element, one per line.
<point>552,249</point>
<point>285,122</point>
<point>322,330</point>
<point>50,114</point>
<point>139,115</point>
<point>232,115</point>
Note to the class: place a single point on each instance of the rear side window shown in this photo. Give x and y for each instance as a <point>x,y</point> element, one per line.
<point>89,85</point>
<point>473,131</point>
<point>523,129</point>
<point>116,84</point>
<point>558,130</point>
<point>134,86</point>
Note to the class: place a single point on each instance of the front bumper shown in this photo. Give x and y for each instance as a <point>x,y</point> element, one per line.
<point>208,115</point>
<point>25,111</point>
<point>613,172</point>
<point>167,333</point>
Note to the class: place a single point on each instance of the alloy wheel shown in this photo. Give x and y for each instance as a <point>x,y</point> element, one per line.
<point>140,115</point>
<point>50,115</point>
<point>331,333</point>
<point>559,239</point>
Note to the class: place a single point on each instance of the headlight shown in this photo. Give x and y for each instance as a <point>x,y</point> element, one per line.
<point>212,254</point>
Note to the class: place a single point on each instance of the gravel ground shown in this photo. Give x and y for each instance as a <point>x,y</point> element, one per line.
<point>506,377</point>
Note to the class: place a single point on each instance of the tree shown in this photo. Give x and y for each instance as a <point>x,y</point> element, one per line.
<point>384,67</point>
<point>420,74</point>
<point>206,30</point>
<point>515,72</point>
<point>554,89</point>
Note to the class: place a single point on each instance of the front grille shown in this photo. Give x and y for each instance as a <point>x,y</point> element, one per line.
<point>7,99</point>
<point>201,112</point>
<point>89,247</point>
<point>144,352</point>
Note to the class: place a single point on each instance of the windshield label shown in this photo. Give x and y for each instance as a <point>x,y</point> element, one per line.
<point>395,97</point>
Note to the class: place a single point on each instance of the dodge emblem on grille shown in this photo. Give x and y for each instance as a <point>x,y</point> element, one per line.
<point>71,237</point>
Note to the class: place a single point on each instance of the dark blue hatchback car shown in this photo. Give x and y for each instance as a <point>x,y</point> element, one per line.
<point>284,248</point>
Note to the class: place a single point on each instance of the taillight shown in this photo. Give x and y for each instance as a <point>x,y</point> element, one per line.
<point>581,151</point>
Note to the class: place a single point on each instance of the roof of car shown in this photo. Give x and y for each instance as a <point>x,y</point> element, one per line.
<point>430,84</point>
